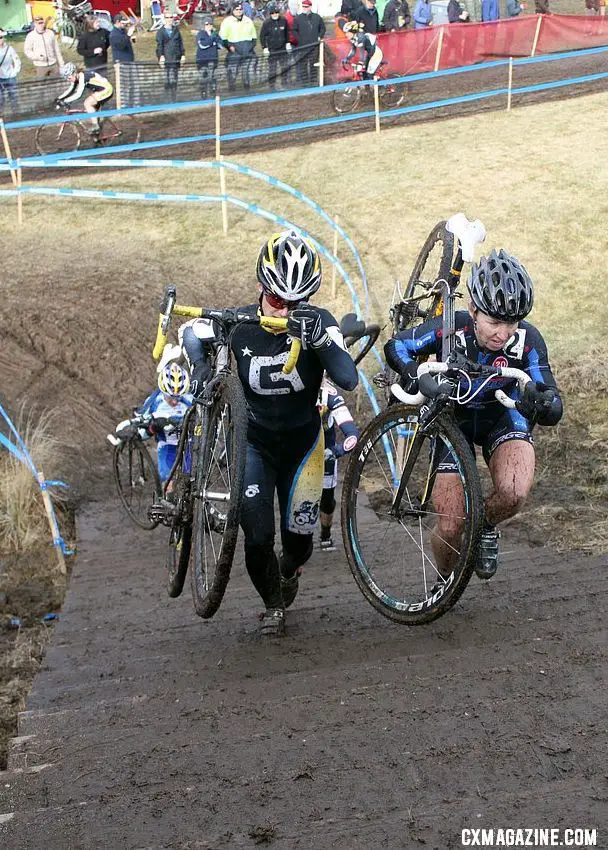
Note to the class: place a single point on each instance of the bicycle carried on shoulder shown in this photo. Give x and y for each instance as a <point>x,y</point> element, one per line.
<point>202,498</point>
<point>390,515</point>
<point>347,98</point>
<point>72,135</point>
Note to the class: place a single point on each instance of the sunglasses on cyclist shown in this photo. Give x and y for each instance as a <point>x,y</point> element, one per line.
<point>279,304</point>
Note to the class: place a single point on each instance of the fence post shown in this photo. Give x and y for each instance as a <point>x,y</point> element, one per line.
<point>333,267</point>
<point>48,506</point>
<point>439,48</point>
<point>539,21</point>
<point>510,84</point>
<point>321,64</point>
<point>117,83</point>
<point>19,198</point>
<point>223,194</point>
<point>7,150</point>
<point>377,107</point>
<point>217,129</point>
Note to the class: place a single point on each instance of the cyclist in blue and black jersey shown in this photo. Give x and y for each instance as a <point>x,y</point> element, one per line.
<point>87,83</point>
<point>369,52</point>
<point>285,447</point>
<point>491,332</point>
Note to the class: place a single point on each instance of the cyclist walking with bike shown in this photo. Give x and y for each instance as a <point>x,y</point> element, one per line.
<point>285,446</point>
<point>492,333</point>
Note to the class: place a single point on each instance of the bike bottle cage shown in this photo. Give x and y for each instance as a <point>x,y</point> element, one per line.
<point>468,233</point>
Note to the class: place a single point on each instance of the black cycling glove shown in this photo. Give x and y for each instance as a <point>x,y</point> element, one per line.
<point>536,401</point>
<point>305,323</point>
<point>409,377</point>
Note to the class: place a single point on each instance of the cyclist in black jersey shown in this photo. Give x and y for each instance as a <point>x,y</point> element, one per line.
<point>491,332</point>
<point>369,52</point>
<point>87,83</point>
<point>285,446</point>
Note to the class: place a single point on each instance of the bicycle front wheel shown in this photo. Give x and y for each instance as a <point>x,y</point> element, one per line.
<point>137,481</point>
<point>218,495</point>
<point>393,549</point>
<point>392,95</point>
<point>346,99</point>
<point>120,130</point>
<point>68,34</point>
<point>180,538</point>
<point>57,138</point>
<point>432,264</point>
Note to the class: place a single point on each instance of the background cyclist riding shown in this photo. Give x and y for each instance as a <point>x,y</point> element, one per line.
<point>492,332</point>
<point>86,83</point>
<point>285,448</point>
<point>370,54</point>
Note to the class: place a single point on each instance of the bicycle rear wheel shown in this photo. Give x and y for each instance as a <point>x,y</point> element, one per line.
<point>137,481</point>
<point>120,130</point>
<point>391,553</point>
<point>346,99</point>
<point>218,494</point>
<point>432,264</point>
<point>57,138</point>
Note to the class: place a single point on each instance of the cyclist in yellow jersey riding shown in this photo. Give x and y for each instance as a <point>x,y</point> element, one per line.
<point>88,82</point>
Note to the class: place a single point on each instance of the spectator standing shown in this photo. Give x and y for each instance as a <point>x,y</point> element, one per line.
<point>122,37</point>
<point>350,8</point>
<point>489,10</point>
<point>368,17</point>
<point>592,7</point>
<point>10,65</point>
<point>170,52</point>
<point>396,16</point>
<point>513,8</point>
<point>120,40</point>
<point>423,16</point>
<point>541,7</point>
<point>42,49</point>
<point>93,44</point>
<point>208,44</point>
<point>309,29</point>
<point>239,37</point>
<point>456,14</point>
<point>248,9</point>
<point>274,38</point>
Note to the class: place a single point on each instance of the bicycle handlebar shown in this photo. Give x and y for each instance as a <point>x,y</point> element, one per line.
<point>433,368</point>
<point>169,306</point>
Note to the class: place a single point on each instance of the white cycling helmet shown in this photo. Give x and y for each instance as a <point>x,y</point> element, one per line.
<point>174,380</point>
<point>67,69</point>
<point>289,267</point>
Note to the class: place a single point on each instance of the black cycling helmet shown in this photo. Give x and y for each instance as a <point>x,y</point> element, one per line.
<point>500,287</point>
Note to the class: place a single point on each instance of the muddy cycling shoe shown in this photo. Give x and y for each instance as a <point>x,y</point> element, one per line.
<point>290,587</point>
<point>327,545</point>
<point>272,622</point>
<point>487,554</point>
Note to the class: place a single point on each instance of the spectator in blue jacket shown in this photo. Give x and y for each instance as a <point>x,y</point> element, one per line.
<point>120,41</point>
<point>208,43</point>
<point>170,52</point>
<point>489,10</point>
<point>422,14</point>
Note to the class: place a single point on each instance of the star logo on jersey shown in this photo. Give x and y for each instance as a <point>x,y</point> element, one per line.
<point>247,352</point>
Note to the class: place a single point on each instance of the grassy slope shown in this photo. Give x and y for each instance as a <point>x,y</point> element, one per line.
<point>533,176</point>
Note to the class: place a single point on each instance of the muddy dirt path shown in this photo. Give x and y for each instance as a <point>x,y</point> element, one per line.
<point>149,728</point>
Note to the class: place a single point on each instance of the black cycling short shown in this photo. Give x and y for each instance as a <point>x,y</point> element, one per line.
<point>487,428</point>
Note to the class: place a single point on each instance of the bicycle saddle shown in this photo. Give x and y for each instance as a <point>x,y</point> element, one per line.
<point>468,233</point>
